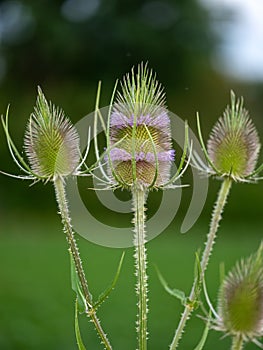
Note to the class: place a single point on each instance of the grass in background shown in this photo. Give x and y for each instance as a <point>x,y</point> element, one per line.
<point>36,308</point>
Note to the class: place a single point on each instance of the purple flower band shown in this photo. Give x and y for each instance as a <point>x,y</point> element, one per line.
<point>118,154</point>
<point>160,121</point>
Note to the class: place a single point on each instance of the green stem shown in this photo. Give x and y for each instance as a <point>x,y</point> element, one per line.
<point>73,248</point>
<point>216,217</point>
<point>237,343</point>
<point>139,197</point>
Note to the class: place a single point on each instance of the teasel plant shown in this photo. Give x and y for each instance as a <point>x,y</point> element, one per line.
<point>232,152</point>
<point>138,158</point>
<point>51,144</point>
<point>239,311</point>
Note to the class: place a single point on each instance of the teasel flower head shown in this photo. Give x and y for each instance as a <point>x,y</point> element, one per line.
<point>140,152</point>
<point>240,302</point>
<point>51,144</point>
<point>233,145</point>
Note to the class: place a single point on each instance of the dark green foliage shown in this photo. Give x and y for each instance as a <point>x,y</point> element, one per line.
<point>171,34</point>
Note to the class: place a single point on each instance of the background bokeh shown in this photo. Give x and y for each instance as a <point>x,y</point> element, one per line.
<point>66,47</point>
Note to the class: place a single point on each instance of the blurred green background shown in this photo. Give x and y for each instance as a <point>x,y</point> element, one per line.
<point>66,47</point>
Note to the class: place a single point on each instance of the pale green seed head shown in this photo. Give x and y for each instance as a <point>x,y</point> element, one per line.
<point>233,145</point>
<point>51,141</point>
<point>240,304</point>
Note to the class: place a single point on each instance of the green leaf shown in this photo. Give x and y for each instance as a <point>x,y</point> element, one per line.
<point>177,293</point>
<point>81,346</point>
<point>108,290</point>
<point>205,334</point>
<point>75,284</point>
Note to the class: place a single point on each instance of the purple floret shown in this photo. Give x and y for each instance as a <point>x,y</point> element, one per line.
<point>160,121</point>
<point>118,154</point>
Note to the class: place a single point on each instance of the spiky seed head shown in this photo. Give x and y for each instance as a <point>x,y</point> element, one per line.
<point>51,142</point>
<point>233,145</point>
<point>240,305</point>
<point>140,137</point>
